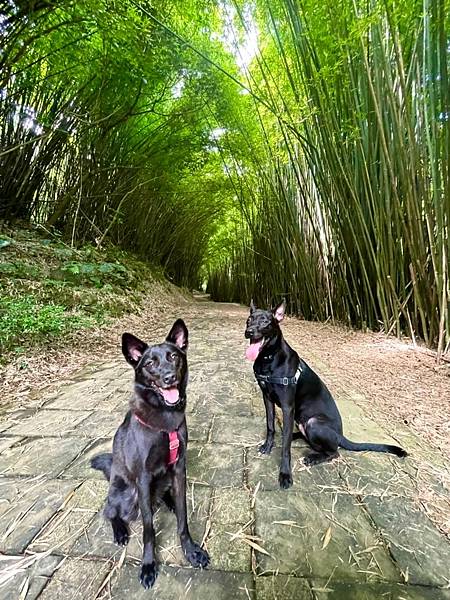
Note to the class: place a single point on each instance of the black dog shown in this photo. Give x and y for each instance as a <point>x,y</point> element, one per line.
<point>288,382</point>
<point>148,462</point>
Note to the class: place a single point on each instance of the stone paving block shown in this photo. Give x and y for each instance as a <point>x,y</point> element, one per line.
<point>377,475</point>
<point>218,465</point>
<point>77,390</point>
<point>167,541</point>
<point>8,441</point>
<point>242,431</point>
<point>55,423</point>
<point>81,468</point>
<point>214,397</point>
<point>90,495</point>
<point>420,551</point>
<point>282,587</point>
<point>363,429</point>
<point>82,396</point>
<point>198,427</point>
<point>100,424</point>
<point>5,425</point>
<point>417,447</point>
<point>265,469</point>
<point>77,579</point>
<point>26,577</point>
<point>349,410</point>
<point>375,591</point>
<point>98,539</point>
<point>230,505</point>
<point>89,395</point>
<point>113,370</point>
<point>25,506</point>
<point>257,406</point>
<point>183,583</point>
<point>227,549</point>
<point>68,524</point>
<point>62,532</point>
<point>319,535</point>
<point>354,420</point>
<point>35,456</point>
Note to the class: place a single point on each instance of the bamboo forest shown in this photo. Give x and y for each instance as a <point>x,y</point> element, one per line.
<point>255,149</point>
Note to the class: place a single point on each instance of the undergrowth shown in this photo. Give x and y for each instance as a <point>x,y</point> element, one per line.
<point>49,289</point>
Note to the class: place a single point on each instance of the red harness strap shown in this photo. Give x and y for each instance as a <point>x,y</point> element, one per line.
<point>174,441</point>
<point>174,444</point>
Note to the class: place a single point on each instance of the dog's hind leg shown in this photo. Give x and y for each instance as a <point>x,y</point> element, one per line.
<point>324,441</point>
<point>168,500</point>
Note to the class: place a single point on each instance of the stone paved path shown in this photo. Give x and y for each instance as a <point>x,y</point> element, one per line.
<point>352,529</point>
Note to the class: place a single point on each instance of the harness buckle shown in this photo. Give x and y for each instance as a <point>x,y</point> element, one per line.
<point>285,381</point>
<point>174,444</point>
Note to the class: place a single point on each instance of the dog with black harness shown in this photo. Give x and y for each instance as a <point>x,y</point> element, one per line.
<point>289,383</point>
<point>148,461</point>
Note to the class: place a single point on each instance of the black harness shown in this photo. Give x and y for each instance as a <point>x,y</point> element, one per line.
<point>280,380</point>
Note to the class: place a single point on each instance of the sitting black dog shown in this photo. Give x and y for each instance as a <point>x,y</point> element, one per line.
<point>287,381</point>
<point>148,462</point>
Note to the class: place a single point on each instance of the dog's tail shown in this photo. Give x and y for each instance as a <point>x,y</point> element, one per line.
<point>356,447</point>
<point>103,462</point>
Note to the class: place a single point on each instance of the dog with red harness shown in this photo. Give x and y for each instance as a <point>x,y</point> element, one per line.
<point>148,461</point>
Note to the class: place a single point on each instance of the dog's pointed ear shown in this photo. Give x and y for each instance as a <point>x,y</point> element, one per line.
<point>133,348</point>
<point>252,306</point>
<point>279,311</point>
<point>178,335</point>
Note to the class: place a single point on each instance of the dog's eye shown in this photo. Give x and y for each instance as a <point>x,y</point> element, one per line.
<point>172,356</point>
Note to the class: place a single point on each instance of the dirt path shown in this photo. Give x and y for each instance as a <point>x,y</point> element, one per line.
<point>358,528</point>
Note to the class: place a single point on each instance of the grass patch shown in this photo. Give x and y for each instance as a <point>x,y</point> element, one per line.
<point>50,289</point>
<point>24,320</point>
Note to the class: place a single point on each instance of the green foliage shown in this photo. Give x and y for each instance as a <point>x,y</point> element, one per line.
<point>98,274</point>
<point>54,296</point>
<point>19,270</point>
<point>124,157</point>
<point>350,217</point>
<point>25,319</point>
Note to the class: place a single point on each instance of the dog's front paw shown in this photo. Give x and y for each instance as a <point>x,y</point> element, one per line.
<point>149,573</point>
<point>196,556</point>
<point>266,448</point>
<point>285,480</point>
<point>121,534</point>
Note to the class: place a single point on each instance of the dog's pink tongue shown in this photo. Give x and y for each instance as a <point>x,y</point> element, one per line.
<point>253,350</point>
<point>170,395</point>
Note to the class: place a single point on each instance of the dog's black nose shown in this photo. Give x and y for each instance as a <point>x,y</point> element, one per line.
<point>168,379</point>
<point>249,333</point>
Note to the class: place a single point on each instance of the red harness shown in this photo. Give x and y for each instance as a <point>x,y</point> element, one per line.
<point>174,441</point>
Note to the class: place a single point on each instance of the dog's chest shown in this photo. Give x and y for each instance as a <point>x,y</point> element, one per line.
<point>269,392</point>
